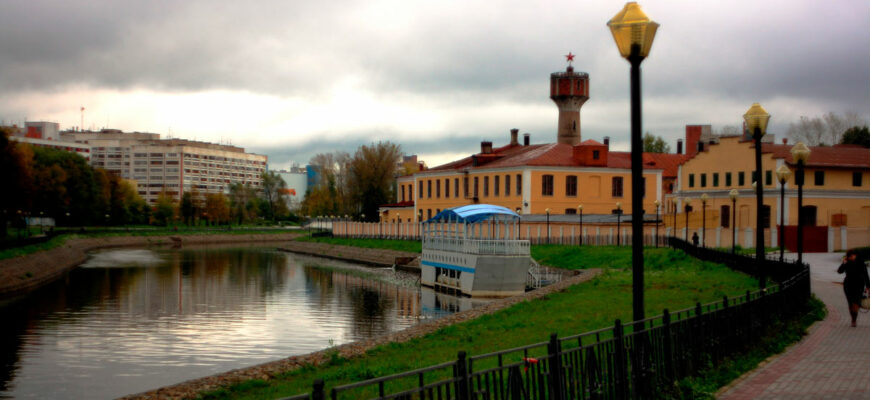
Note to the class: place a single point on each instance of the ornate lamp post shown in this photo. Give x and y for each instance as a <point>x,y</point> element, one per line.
<point>633,32</point>
<point>520,223</point>
<point>688,208</point>
<point>733,194</point>
<point>704,199</point>
<point>658,204</point>
<point>618,223</point>
<point>548,225</point>
<point>580,212</point>
<point>756,121</point>
<point>800,153</point>
<point>782,173</point>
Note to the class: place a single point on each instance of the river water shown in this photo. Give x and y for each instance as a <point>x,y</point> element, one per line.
<point>129,320</point>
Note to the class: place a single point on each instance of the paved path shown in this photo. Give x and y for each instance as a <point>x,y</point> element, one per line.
<point>832,362</point>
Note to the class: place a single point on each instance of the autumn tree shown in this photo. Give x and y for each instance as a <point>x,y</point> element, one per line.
<point>371,173</point>
<point>243,202</point>
<point>164,210</point>
<point>655,144</point>
<point>274,194</point>
<point>15,177</point>
<point>217,208</point>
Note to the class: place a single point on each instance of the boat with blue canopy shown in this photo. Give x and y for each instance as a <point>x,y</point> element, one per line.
<point>475,250</point>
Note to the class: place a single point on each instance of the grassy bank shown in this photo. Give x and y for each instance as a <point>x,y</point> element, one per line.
<point>413,246</point>
<point>673,281</point>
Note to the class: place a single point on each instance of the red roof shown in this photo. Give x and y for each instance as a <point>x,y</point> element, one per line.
<point>559,155</point>
<point>841,155</point>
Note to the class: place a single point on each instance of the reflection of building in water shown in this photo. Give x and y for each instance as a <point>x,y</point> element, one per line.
<point>406,299</point>
<point>442,304</point>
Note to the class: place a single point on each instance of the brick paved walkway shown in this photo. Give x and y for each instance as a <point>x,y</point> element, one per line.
<point>832,362</point>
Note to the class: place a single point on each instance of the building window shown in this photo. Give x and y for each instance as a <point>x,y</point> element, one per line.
<point>819,178</point>
<point>616,186</point>
<point>438,189</point>
<point>715,179</point>
<point>703,180</point>
<point>465,186</point>
<point>547,185</point>
<point>765,216</point>
<point>447,188</point>
<point>856,178</point>
<point>768,177</point>
<point>728,179</point>
<point>403,193</point>
<point>429,188</point>
<point>519,184</point>
<point>691,180</point>
<point>455,187</point>
<point>808,215</point>
<point>741,178</point>
<point>495,185</point>
<point>411,191</point>
<point>507,185</point>
<point>838,220</point>
<point>476,180</point>
<point>421,191</point>
<point>571,185</point>
<point>572,211</point>
<point>485,186</point>
<point>725,216</point>
<point>596,154</point>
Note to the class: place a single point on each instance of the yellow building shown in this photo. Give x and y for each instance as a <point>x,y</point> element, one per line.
<point>836,195</point>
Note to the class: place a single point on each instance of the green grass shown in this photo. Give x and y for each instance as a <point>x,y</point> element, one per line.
<point>413,246</point>
<point>780,335</point>
<point>674,281</point>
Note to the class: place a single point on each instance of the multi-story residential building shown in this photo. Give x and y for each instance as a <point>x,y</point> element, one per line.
<point>47,134</point>
<point>172,166</point>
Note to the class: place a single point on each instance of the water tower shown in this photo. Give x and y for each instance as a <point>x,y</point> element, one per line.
<point>569,90</point>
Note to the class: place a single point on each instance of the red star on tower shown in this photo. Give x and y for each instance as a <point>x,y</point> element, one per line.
<point>570,58</point>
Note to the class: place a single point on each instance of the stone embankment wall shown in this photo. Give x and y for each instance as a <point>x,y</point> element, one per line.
<point>377,257</point>
<point>194,388</point>
<point>20,275</point>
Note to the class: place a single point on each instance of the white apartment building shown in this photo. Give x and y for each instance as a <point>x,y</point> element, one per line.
<point>47,134</point>
<point>170,165</point>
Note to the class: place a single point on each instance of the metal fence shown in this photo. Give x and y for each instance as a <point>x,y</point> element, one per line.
<point>636,360</point>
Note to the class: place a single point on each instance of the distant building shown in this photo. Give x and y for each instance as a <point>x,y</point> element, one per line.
<point>47,134</point>
<point>297,184</point>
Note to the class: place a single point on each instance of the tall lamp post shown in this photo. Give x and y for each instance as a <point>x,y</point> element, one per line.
<point>733,194</point>
<point>618,223</point>
<point>548,224</point>
<point>704,199</point>
<point>782,174</point>
<point>580,212</point>
<point>519,223</point>
<point>800,153</point>
<point>658,204</point>
<point>756,121</point>
<point>688,208</point>
<point>634,32</point>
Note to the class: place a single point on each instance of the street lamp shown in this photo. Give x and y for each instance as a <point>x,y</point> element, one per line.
<point>704,199</point>
<point>756,119</point>
<point>782,173</point>
<point>520,224</point>
<point>688,208</point>
<point>548,225</point>
<point>618,223</point>
<point>733,194</point>
<point>633,32</point>
<point>399,224</point>
<point>658,204</point>
<point>800,153</point>
<point>580,212</point>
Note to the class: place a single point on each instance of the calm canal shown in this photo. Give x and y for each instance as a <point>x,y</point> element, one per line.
<point>130,320</point>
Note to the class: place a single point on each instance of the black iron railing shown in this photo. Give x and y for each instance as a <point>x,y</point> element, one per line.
<point>638,360</point>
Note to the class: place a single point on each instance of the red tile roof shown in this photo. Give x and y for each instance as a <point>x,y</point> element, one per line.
<point>842,156</point>
<point>560,155</point>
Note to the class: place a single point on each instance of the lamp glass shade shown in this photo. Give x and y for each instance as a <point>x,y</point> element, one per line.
<point>783,173</point>
<point>631,26</point>
<point>547,210</point>
<point>580,207</point>
<point>657,203</point>
<point>800,152</point>
<point>756,117</point>
<point>733,194</point>
<point>704,198</point>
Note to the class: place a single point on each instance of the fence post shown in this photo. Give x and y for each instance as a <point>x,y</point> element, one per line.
<point>667,347</point>
<point>699,336</point>
<point>557,389</point>
<point>621,381</point>
<point>462,392</point>
<point>317,390</point>
<point>749,330</point>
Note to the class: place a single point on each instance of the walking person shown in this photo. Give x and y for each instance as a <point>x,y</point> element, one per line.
<point>855,282</point>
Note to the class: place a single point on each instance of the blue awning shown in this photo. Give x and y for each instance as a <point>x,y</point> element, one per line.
<point>473,213</point>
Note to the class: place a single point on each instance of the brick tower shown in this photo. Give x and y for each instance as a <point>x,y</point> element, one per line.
<point>569,90</point>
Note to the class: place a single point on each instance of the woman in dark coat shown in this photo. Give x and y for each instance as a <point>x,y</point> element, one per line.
<point>855,282</point>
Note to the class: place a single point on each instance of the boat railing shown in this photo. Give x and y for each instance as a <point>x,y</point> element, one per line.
<point>477,246</point>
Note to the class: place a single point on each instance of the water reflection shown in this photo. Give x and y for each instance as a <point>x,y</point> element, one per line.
<point>132,320</point>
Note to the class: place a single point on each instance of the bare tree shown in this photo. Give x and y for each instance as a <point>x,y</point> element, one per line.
<point>729,130</point>
<point>825,130</point>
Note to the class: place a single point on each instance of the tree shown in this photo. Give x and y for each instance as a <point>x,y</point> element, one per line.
<point>655,144</point>
<point>274,195</point>
<point>371,173</point>
<point>825,130</point>
<point>16,168</point>
<point>164,209</point>
<point>190,205</point>
<point>217,208</point>
<point>857,135</point>
<point>243,202</point>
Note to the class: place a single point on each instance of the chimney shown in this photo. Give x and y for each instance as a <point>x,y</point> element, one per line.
<point>679,146</point>
<point>607,142</point>
<point>785,140</point>
<point>486,147</point>
<point>514,133</point>
<point>526,139</point>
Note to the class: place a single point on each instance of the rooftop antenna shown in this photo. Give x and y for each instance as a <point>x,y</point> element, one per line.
<point>83,118</point>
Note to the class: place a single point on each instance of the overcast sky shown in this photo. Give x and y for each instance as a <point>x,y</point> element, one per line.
<point>293,78</point>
